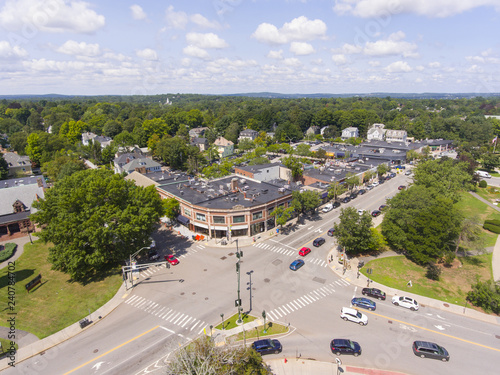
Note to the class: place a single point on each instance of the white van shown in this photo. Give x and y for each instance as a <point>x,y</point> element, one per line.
<point>483,174</point>
<point>328,208</point>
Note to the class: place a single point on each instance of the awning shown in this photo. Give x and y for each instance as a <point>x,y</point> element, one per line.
<point>324,195</point>
<point>200,225</point>
<point>182,219</point>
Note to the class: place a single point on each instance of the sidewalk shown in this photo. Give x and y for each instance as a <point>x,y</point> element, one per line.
<point>298,366</point>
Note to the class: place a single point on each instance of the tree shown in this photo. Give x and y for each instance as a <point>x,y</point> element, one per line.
<point>490,161</point>
<point>203,357</point>
<point>95,219</point>
<point>306,201</point>
<point>72,130</point>
<point>422,224</point>
<point>321,154</point>
<point>294,165</point>
<point>4,168</point>
<point>353,231</point>
<point>470,235</point>
<point>282,215</point>
<point>63,164</point>
<point>171,207</point>
<point>245,144</point>
<point>155,126</point>
<point>351,181</point>
<point>33,148</point>
<point>382,169</point>
<point>303,150</point>
<point>446,177</point>
<point>335,189</point>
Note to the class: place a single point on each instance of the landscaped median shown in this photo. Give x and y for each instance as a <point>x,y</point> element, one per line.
<point>56,302</point>
<point>257,331</point>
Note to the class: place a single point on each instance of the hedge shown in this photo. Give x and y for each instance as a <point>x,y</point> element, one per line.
<point>7,252</point>
<point>493,222</point>
<point>492,228</point>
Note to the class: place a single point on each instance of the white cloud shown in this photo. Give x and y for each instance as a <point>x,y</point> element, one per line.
<point>429,8</point>
<point>147,54</point>
<point>374,63</point>
<point>208,40</point>
<point>420,68</point>
<point>301,48</point>
<point>277,55</point>
<point>55,16</point>
<point>419,80</point>
<point>195,51</point>
<point>339,59</point>
<point>393,45</point>
<point>176,20</point>
<point>292,61</point>
<point>398,67</point>
<point>299,29</point>
<point>351,49</point>
<point>201,21</point>
<point>8,52</point>
<point>137,12</point>
<point>434,64</point>
<point>74,48</point>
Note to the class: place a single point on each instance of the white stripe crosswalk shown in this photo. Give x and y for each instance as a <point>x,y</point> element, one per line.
<point>162,312</point>
<point>306,299</point>
<point>290,253</point>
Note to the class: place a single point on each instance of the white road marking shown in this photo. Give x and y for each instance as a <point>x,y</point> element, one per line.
<point>166,329</point>
<point>178,319</point>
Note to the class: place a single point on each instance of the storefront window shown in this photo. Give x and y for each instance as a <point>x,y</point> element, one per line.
<point>219,219</point>
<point>239,219</point>
<point>257,215</point>
<point>187,212</point>
<point>200,217</point>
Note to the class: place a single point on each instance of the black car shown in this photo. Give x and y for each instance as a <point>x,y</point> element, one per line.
<point>393,175</point>
<point>336,204</point>
<point>375,213</point>
<point>353,195</point>
<point>374,292</point>
<point>319,241</point>
<point>153,255</point>
<point>267,346</point>
<point>361,192</point>
<point>345,346</point>
<point>381,180</point>
<point>331,231</point>
<point>346,200</point>
<point>425,349</point>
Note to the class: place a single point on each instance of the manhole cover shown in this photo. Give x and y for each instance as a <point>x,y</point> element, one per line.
<point>206,298</point>
<point>205,270</point>
<point>277,262</point>
<point>267,280</point>
<point>193,293</point>
<point>253,288</point>
<point>223,258</point>
<point>182,293</point>
<point>446,305</point>
<point>230,254</point>
<point>389,321</point>
<point>96,350</point>
<point>319,280</point>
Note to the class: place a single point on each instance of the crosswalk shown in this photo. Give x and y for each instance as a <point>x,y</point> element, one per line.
<point>291,253</point>
<point>177,318</point>
<point>192,250</point>
<point>307,299</point>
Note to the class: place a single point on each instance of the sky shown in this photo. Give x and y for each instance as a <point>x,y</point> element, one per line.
<point>150,47</point>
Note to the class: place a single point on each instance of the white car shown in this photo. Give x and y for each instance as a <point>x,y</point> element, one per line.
<point>407,302</point>
<point>361,212</point>
<point>353,315</point>
<point>374,183</point>
<point>328,208</point>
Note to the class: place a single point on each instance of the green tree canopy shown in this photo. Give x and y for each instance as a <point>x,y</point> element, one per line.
<point>282,215</point>
<point>95,219</point>
<point>353,231</point>
<point>171,207</point>
<point>4,168</point>
<point>305,201</point>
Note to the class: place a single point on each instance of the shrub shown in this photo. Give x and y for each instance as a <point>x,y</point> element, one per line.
<point>433,271</point>
<point>483,184</point>
<point>492,228</point>
<point>7,252</point>
<point>493,222</point>
<point>485,295</point>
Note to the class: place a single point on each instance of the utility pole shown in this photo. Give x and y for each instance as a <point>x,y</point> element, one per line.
<point>239,254</point>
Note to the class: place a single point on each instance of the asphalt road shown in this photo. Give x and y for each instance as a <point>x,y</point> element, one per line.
<point>171,306</point>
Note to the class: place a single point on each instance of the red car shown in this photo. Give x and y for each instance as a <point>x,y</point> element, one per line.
<point>304,251</point>
<point>401,187</point>
<point>171,259</point>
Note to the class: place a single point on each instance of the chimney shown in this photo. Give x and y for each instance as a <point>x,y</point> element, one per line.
<point>234,184</point>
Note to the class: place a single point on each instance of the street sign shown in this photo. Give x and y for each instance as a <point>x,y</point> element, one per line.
<point>237,302</point>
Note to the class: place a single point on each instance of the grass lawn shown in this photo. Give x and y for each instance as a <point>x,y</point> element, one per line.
<point>231,322</point>
<point>455,282</point>
<point>57,302</point>
<point>271,329</point>
<point>474,207</point>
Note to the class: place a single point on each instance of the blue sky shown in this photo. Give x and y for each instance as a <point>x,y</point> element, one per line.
<point>235,46</point>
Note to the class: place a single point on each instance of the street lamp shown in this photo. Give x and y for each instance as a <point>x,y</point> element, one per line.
<point>222,317</point>
<point>250,288</point>
<point>239,255</point>
<point>132,256</point>
<point>264,316</point>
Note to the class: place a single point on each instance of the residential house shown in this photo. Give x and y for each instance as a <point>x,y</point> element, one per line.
<point>122,159</point>
<point>313,130</point>
<point>224,147</point>
<point>91,137</point>
<point>350,132</point>
<point>249,134</point>
<point>197,132</point>
<point>17,163</point>
<point>199,142</point>
<point>395,135</point>
<point>376,132</point>
<point>143,165</point>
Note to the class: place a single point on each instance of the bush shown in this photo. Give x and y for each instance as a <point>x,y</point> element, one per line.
<point>493,222</point>
<point>7,252</point>
<point>492,228</point>
<point>433,272</point>
<point>483,184</point>
<point>485,295</point>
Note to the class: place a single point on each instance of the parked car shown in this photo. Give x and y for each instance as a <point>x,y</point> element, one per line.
<point>382,207</point>
<point>296,264</point>
<point>331,231</point>
<point>392,175</point>
<point>361,191</point>
<point>327,208</point>
<point>267,346</point>
<point>348,313</point>
<point>425,349</point>
<point>304,251</point>
<point>408,172</point>
<point>353,195</point>
<point>401,187</point>
<point>375,213</point>
<point>319,241</point>
<point>345,346</point>
<point>369,187</point>
<point>373,292</point>
<point>399,167</point>
<point>346,200</point>
<point>171,259</point>
<point>374,183</point>
<point>365,303</point>
<point>336,204</point>
<point>381,180</point>
<point>153,255</point>
<point>483,174</point>
<point>407,302</point>
<point>361,212</point>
